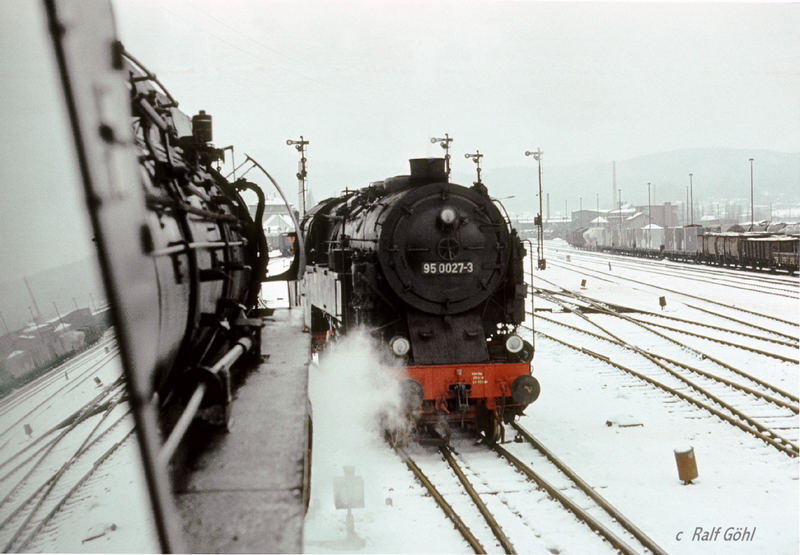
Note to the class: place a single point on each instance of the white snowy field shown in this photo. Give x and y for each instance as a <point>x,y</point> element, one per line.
<point>615,431</point>
<point>109,511</point>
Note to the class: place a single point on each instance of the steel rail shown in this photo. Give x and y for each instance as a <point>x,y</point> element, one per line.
<point>47,487</point>
<point>566,502</point>
<point>743,388</point>
<point>793,448</point>
<point>662,288</point>
<point>23,395</point>
<point>440,500</point>
<point>727,272</point>
<point>724,342</point>
<point>727,281</point>
<point>793,345</point>
<point>588,490</point>
<point>97,464</point>
<point>490,520</point>
<point>750,324</point>
<point>779,445</point>
<point>603,308</point>
<point>67,423</point>
<point>719,328</point>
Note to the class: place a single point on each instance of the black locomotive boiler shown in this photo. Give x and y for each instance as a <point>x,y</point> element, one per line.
<point>435,272</point>
<point>205,252</point>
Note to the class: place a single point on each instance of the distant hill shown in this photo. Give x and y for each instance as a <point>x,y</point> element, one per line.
<point>720,175</point>
<point>69,286</point>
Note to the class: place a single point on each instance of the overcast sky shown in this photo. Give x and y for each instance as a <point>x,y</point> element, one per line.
<point>372,81</point>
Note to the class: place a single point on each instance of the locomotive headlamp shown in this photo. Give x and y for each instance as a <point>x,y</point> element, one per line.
<point>400,345</point>
<point>448,215</point>
<point>514,344</point>
<point>412,394</point>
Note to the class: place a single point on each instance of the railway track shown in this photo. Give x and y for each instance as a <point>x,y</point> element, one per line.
<point>789,350</point>
<point>39,480</point>
<point>732,389</point>
<point>31,404</point>
<point>778,277</point>
<point>496,483</point>
<point>780,287</point>
<point>739,402</point>
<point>92,356</point>
<point>58,432</point>
<point>794,326</point>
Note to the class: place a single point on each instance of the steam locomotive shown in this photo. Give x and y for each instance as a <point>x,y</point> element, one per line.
<point>434,272</point>
<point>205,252</point>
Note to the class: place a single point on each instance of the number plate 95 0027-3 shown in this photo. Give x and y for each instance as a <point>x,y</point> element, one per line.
<point>447,268</point>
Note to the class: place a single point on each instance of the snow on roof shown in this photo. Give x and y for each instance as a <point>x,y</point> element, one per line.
<point>280,221</point>
<point>652,226</point>
<point>599,220</point>
<point>774,238</point>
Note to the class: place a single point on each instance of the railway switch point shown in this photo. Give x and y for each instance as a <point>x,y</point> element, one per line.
<point>687,464</point>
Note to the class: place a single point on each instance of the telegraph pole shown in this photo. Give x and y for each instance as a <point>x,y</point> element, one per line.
<point>38,317</point>
<point>541,262</point>
<point>686,208</point>
<point>619,199</point>
<point>597,200</point>
<point>649,217</point>
<point>691,198</point>
<point>445,144</point>
<point>300,146</point>
<point>752,220</point>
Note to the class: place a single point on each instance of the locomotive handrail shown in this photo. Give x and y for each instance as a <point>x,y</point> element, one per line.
<point>533,327</point>
<point>186,247</point>
<point>499,203</point>
<point>148,74</point>
<point>301,253</point>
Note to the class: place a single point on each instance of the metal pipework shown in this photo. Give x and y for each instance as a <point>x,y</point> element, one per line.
<point>177,433</point>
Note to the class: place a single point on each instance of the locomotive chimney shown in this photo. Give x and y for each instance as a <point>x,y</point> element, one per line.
<point>427,170</point>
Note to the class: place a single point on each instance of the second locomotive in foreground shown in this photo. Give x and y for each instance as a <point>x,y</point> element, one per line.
<point>434,271</point>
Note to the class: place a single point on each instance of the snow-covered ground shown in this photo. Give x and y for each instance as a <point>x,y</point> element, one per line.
<point>614,430</point>
<point>109,511</point>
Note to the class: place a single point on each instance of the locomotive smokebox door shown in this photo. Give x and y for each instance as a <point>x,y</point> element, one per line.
<point>348,490</point>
